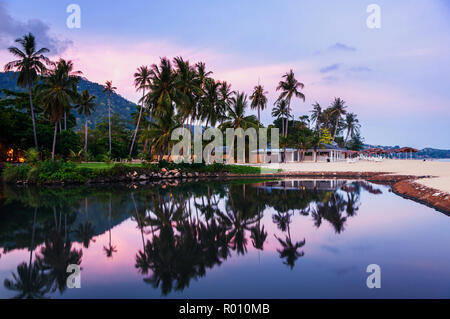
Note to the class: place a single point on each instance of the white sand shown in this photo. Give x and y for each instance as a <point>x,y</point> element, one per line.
<point>440,170</point>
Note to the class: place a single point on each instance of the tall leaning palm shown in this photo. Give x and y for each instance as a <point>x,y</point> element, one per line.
<point>141,81</point>
<point>316,115</point>
<point>338,109</point>
<point>30,64</point>
<point>259,99</point>
<point>351,125</point>
<point>85,107</point>
<point>290,88</point>
<point>58,91</point>
<point>109,89</point>
<point>281,111</point>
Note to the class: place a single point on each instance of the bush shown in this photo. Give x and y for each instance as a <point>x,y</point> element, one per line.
<point>31,156</point>
<point>14,173</point>
<point>33,175</point>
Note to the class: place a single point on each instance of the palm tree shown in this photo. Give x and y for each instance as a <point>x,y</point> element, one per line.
<point>188,88</point>
<point>289,250</point>
<point>110,249</point>
<point>142,80</point>
<point>109,89</point>
<point>67,66</point>
<point>351,125</point>
<point>29,66</point>
<point>316,115</point>
<point>85,106</point>
<point>210,107</point>
<point>290,88</point>
<point>236,117</point>
<point>30,282</point>
<point>259,99</point>
<point>281,111</point>
<point>162,94</point>
<point>57,92</point>
<point>161,131</point>
<point>338,109</point>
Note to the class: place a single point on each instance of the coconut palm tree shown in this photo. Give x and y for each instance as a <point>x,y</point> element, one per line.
<point>161,131</point>
<point>259,99</point>
<point>316,115</point>
<point>211,109</point>
<point>30,64</point>
<point>290,88</point>
<point>188,88</point>
<point>236,117</point>
<point>142,80</point>
<point>109,89</point>
<point>162,94</point>
<point>110,249</point>
<point>67,66</point>
<point>281,111</point>
<point>236,113</point>
<point>289,250</point>
<point>351,125</point>
<point>85,106</point>
<point>58,91</point>
<point>338,109</point>
<point>30,282</point>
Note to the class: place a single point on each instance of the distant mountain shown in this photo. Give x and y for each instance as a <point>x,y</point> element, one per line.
<point>118,104</point>
<point>427,152</point>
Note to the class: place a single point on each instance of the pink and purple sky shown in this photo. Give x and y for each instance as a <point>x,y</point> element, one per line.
<point>396,78</point>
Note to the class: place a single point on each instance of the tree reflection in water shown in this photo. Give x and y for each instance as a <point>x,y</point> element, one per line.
<point>184,230</point>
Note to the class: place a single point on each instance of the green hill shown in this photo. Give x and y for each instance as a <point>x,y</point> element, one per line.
<point>119,104</point>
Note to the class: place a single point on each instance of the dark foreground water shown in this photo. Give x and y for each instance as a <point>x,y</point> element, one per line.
<point>273,239</point>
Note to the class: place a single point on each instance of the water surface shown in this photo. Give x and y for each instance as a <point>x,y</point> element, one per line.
<point>239,239</point>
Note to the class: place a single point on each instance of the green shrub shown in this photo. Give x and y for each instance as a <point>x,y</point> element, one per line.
<point>13,173</point>
<point>31,156</point>
<point>33,175</point>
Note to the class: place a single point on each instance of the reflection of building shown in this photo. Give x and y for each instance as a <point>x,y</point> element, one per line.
<point>317,184</point>
<point>330,153</point>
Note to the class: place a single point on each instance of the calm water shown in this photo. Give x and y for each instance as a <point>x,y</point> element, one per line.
<point>273,239</point>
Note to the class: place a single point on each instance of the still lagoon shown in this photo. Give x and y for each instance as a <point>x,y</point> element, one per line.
<point>230,239</point>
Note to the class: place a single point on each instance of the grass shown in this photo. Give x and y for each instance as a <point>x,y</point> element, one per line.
<point>101,165</point>
<point>59,171</point>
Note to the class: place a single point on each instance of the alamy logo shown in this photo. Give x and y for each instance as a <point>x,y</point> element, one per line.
<point>74,19</point>
<point>74,279</point>
<point>374,279</point>
<point>374,19</point>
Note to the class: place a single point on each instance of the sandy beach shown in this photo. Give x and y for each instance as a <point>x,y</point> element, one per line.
<point>440,171</point>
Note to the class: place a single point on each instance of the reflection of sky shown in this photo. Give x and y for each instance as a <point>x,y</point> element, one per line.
<point>408,240</point>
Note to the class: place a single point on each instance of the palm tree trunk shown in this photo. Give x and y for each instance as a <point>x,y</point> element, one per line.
<point>346,138</point>
<point>54,141</point>
<point>65,121</point>
<point>138,121</point>
<point>287,119</point>
<point>32,118</point>
<point>282,126</point>
<point>85,133</point>
<point>109,121</point>
<point>335,128</point>
<point>148,129</point>
<point>32,241</point>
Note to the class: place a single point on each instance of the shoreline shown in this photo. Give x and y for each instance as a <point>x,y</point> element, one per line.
<point>406,186</point>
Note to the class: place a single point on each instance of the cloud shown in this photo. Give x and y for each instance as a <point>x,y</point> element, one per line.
<point>330,68</point>
<point>11,29</point>
<point>341,47</point>
<point>360,69</point>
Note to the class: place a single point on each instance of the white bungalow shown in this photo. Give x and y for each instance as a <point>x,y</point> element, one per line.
<point>327,153</point>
